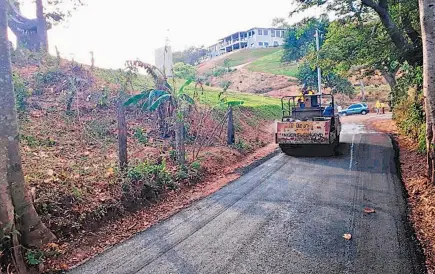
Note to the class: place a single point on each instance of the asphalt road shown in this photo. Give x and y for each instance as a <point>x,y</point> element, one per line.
<point>288,215</point>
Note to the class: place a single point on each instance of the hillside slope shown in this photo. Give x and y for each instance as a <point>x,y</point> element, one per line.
<point>272,64</point>
<point>253,71</point>
<point>235,58</point>
<point>68,137</point>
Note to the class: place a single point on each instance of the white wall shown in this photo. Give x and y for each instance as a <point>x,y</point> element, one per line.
<point>164,60</point>
<point>264,38</point>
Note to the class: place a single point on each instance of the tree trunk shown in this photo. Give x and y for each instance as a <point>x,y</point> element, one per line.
<point>230,132</point>
<point>92,61</point>
<point>427,19</point>
<point>179,141</point>
<point>41,26</point>
<point>363,94</point>
<point>390,77</point>
<point>6,207</point>
<point>179,136</point>
<point>122,136</point>
<point>430,156</point>
<point>24,29</point>
<point>33,232</point>
<point>28,41</point>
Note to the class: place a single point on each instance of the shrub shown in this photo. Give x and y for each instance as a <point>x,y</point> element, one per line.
<point>144,182</point>
<point>410,118</point>
<point>100,129</point>
<point>50,77</point>
<point>140,135</point>
<point>184,71</point>
<point>34,257</point>
<point>422,139</point>
<point>33,141</point>
<point>225,85</point>
<point>190,174</point>
<point>155,175</point>
<point>219,71</point>
<point>242,146</point>
<point>173,155</point>
<point>103,99</point>
<point>21,93</point>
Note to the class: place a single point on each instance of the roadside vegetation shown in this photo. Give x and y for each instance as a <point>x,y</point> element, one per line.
<point>70,141</point>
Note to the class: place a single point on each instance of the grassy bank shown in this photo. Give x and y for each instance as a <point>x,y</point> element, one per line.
<point>271,63</point>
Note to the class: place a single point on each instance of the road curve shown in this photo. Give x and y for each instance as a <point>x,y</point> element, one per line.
<point>286,216</point>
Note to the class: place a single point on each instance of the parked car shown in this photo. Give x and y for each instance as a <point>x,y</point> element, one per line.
<point>355,109</point>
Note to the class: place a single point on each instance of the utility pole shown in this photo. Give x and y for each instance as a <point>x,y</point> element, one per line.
<point>319,73</point>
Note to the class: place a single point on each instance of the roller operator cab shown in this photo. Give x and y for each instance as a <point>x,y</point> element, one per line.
<point>310,125</point>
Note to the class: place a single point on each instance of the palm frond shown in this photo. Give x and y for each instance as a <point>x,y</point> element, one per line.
<point>181,90</point>
<point>234,102</point>
<point>134,100</point>
<point>159,101</point>
<point>187,98</point>
<point>154,95</point>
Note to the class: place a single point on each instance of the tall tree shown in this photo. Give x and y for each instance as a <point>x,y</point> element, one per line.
<point>33,232</point>
<point>25,29</point>
<point>399,19</point>
<point>300,38</point>
<point>191,56</point>
<point>279,22</point>
<point>351,47</point>
<point>32,33</point>
<point>427,15</point>
<point>41,26</point>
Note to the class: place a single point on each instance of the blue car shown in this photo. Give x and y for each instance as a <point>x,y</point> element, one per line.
<point>355,109</point>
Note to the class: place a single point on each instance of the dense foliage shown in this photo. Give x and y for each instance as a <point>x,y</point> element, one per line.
<point>369,36</point>
<point>300,46</point>
<point>184,71</point>
<point>299,40</point>
<point>191,56</point>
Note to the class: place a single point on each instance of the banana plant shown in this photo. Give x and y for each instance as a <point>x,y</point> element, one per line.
<point>152,99</point>
<point>174,101</point>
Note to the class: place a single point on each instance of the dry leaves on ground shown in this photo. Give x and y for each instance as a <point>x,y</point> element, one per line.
<point>347,236</point>
<point>369,210</point>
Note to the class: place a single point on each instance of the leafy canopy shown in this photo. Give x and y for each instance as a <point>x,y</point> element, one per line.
<point>184,71</point>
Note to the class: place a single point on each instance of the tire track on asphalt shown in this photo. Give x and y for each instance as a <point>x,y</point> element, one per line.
<point>351,226</point>
<point>202,224</point>
<point>199,206</point>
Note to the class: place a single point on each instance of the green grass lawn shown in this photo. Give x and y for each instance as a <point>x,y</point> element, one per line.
<point>247,55</point>
<point>263,107</point>
<point>271,63</point>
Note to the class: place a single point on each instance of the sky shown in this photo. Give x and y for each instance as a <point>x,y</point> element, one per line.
<point>118,32</point>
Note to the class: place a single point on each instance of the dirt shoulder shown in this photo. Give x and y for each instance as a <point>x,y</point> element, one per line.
<point>421,194</point>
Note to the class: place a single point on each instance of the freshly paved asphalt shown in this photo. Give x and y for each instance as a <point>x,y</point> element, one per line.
<point>288,215</point>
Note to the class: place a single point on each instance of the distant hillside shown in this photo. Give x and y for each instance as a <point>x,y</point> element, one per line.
<point>272,64</point>
<point>236,58</point>
<point>252,71</point>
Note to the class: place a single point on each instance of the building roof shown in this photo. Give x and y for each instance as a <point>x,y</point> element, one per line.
<point>249,30</point>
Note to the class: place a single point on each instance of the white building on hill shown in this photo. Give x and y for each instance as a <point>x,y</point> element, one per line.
<point>253,38</point>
